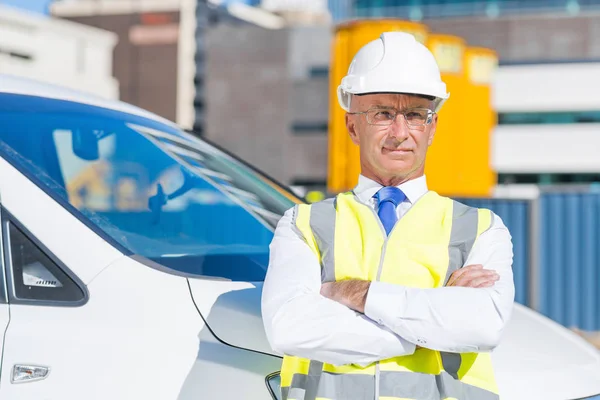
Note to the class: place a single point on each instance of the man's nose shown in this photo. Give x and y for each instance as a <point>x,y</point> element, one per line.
<point>399,128</point>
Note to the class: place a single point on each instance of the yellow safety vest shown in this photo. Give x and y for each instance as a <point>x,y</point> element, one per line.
<point>429,243</point>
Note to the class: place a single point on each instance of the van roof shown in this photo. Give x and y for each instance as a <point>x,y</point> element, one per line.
<point>26,86</point>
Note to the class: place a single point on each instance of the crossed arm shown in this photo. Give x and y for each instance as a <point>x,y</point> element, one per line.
<point>362,322</point>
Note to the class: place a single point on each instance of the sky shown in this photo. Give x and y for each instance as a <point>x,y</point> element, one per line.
<point>38,6</point>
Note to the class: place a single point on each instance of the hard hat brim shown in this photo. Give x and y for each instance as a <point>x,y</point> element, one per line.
<point>344,96</point>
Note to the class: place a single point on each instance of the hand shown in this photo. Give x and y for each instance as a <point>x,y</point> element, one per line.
<point>473,276</point>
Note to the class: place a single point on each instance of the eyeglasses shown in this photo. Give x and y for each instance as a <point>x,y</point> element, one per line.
<point>414,117</point>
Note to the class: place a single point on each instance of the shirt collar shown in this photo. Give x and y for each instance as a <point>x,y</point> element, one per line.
<point>413,189</point>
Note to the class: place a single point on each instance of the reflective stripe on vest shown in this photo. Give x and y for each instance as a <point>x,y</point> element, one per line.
<point>393,385</point>
<point>426,374</point>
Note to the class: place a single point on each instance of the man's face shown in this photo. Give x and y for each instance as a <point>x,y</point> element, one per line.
<point>395,152</point>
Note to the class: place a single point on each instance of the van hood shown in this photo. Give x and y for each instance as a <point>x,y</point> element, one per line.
<point>537,358</point>
<point>232,312</point>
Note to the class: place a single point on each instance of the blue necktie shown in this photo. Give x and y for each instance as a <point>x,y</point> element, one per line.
<point>389,197</point>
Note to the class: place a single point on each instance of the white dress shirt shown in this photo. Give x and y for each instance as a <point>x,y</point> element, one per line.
<point>300,322</point>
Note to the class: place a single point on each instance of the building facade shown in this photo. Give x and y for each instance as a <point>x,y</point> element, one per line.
<point>58,52</point>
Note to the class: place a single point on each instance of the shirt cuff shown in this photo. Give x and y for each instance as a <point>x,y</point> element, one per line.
<point>377,305</point>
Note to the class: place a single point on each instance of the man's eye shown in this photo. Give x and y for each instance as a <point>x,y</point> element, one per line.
<point>415,114</point>
<point>384,115</point>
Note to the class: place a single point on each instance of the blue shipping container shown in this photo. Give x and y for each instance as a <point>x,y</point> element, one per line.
<point>516,215</point>
<point>569,255</point>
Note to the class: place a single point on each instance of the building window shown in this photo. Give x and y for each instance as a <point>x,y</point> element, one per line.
<point>309,128</point>
<point>16,54</point>
<point>548,178</point>
<point>567,117</point>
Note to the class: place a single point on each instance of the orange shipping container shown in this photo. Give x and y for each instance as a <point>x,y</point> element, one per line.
<point>443,165</point>
<point>479,119</point>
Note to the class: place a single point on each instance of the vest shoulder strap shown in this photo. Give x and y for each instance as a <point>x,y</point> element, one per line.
<point>315,223</point>
<point>301,225</point>
<point>467,224</point>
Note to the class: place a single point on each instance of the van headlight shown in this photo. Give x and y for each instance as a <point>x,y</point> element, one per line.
<point>274,385</point>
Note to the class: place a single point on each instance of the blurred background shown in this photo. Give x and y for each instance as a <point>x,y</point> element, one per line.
<point>520,133</point>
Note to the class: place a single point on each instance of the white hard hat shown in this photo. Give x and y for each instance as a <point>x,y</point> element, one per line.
<point>394,63</point>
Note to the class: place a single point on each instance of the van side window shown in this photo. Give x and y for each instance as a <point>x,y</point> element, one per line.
<point>36,276</point>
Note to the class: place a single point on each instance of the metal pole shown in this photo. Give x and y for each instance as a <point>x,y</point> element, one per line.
<point>534,252</point>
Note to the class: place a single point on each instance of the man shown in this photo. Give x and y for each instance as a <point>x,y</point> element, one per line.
<point>389,291</point>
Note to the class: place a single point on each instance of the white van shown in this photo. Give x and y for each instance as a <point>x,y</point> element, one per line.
<point>133,255</point>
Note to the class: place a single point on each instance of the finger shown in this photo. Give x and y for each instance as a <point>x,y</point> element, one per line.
<point>474,274</point>
<point>480,281</point>
<point>480,274</point>
<point>457,274</point>
<point>473,282</point>
<point>477,280</point>
<point>477,275</point>
<point>487,284</point>
<point>484,284</point>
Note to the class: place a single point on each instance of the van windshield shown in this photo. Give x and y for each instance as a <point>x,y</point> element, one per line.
<point>151,188</point>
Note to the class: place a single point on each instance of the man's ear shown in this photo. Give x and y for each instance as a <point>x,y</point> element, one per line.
<point>432,130</point>
<point>351,126</point>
